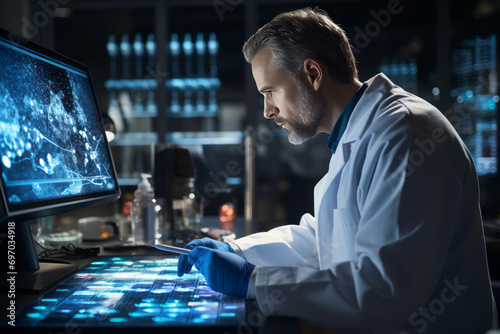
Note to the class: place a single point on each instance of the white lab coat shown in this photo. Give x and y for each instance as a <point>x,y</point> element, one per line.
<point>396,242</point>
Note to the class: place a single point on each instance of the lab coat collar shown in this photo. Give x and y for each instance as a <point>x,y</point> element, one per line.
<point>343,120</point>
<point>379,86</point>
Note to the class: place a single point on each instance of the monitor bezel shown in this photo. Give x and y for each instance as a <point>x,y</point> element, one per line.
<point>37,209</point>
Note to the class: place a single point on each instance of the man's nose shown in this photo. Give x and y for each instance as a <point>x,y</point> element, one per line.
<point>270,110</point>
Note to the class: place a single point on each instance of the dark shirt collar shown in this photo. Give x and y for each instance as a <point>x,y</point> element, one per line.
<point>341,123</point>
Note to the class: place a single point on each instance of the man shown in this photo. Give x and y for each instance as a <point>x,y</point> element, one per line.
<point>396,242</point>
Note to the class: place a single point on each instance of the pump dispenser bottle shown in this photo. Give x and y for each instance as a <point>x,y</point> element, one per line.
<point>144,222</point>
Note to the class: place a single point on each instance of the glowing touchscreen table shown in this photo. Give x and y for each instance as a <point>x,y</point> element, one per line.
<point>138,291</point>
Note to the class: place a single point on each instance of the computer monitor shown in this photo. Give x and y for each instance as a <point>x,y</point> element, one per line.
<point>54,156</point>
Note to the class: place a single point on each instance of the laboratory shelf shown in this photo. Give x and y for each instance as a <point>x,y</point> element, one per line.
<point>206,138</point>
<point>135,139</point>
<point>123,181</point>
<point>131,84</point>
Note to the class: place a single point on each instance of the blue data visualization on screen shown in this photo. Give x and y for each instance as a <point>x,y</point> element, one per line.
<point>51,140</point>
<point>133,292</point>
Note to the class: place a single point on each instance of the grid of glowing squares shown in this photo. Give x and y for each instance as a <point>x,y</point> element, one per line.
<point>125,291</point>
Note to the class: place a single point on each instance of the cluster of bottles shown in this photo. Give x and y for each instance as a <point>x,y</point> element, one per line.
<point>191,78</point>
<point>474,67</point>
<point>193,88</point>
<point>475,88</point>
<point>402,73</point>
<point>131,91</point>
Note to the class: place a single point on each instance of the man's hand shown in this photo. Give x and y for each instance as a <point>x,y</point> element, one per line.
<point>184,267</point>
<point>225,272</point>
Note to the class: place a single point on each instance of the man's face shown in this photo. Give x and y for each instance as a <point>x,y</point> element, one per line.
<point>291,104</point>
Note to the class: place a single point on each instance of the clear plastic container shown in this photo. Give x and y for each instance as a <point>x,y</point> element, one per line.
<point>143,211</point>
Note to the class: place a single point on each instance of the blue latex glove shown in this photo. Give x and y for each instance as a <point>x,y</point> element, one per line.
<point>225,272</point>
<point>184,267</point>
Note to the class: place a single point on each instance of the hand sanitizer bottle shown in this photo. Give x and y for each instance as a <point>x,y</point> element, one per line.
<point>144,222</point>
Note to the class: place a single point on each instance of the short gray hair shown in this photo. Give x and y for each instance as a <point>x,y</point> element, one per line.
<point>306,33</point>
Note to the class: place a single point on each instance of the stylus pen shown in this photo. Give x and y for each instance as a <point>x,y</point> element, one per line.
<point>172,249</point>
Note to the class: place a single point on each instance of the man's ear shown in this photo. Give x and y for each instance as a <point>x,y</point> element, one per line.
<point>314,73</point>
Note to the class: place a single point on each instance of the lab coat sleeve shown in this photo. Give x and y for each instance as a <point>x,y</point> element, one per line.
<point>289,245</point>
<point>406,216</point>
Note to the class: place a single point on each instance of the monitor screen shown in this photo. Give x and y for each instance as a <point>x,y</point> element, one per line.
<point>132,291</point>
<point>53,150</point>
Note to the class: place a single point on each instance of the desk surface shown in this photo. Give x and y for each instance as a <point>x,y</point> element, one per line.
<point>133,291</point>
<point>260,323</point>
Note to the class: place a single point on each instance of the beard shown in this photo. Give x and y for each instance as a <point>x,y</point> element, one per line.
<point>308,116</point>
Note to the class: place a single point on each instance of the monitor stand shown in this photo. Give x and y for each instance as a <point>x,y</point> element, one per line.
<point>28,274</point>
<point>40,280</point>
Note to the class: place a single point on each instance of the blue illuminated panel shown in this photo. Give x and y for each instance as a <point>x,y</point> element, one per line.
<point>51,140</point>
<point>133,292</point>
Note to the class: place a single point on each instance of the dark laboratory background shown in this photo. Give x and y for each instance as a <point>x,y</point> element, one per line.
<point>444,51</point>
